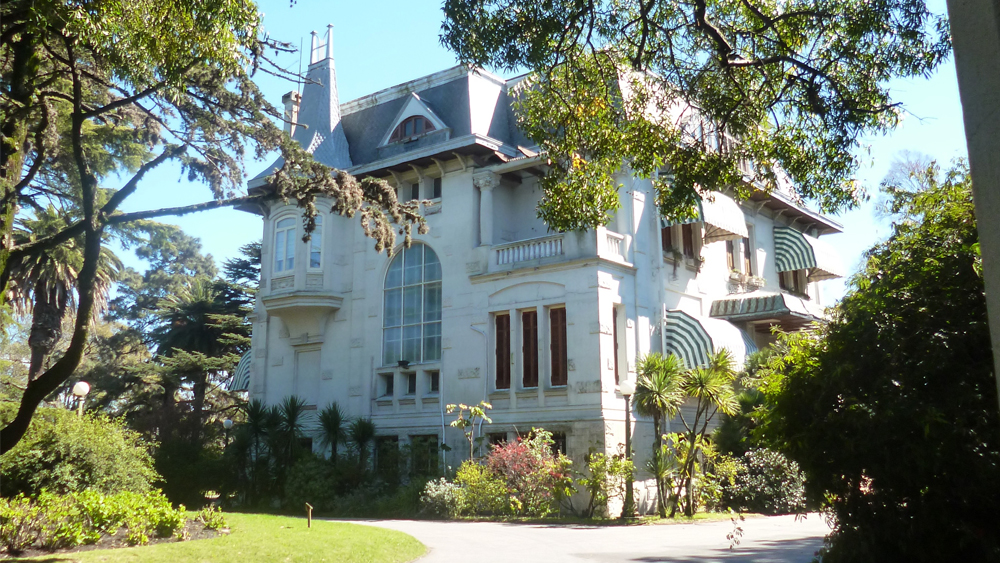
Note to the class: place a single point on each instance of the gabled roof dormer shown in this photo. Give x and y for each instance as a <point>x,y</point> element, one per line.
<point>414,119</point>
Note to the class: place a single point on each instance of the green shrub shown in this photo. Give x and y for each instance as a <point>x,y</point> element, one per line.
<point>310,480</point>
<point>62,453</point>
<point>212,518</point>
<point>483,492</point>
<point>766,481</point>
<point>63,524</point>
<point>442,499</point>
<point>20,523</point>
<point>605,480</point>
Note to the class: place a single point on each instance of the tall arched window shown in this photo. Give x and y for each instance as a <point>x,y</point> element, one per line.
<point>412,315</point>
<point>316,245</point>
<point>284,245</point>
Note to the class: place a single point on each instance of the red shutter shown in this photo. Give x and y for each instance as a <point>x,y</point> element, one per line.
<point>557,328</point>
<point>503,351</point>
<point>529,322</point>
<point>666,237</point>
<point>688,234</point>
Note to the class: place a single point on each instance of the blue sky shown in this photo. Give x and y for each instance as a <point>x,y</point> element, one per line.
<point>380,44</point>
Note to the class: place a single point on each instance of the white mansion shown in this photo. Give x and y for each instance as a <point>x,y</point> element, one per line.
<point>490,304</point>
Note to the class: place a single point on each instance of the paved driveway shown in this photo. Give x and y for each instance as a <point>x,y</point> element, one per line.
<point>765,540</point>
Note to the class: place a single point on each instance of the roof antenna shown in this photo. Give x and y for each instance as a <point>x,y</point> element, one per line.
<point>298,78</point>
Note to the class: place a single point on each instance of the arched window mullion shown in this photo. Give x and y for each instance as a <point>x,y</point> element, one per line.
<point>412,307</point>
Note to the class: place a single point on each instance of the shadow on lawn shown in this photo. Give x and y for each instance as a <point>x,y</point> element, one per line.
<point>46,560</point>
<point>798,550</point>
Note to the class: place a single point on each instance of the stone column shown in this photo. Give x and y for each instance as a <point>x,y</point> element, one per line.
<point>975,31</point>
<point>486,181</point>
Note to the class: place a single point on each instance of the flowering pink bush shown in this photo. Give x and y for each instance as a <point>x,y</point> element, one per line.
<point>536,478</point>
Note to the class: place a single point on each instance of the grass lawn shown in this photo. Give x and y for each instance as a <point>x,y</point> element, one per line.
<point>264,538</point>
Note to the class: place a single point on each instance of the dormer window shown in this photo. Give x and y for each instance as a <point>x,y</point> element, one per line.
<point>411,127</point>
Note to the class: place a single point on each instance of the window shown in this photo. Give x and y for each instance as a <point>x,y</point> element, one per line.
<point>558,443</point>
<point>529,348</point>
<point>387,457</point>
<point>434,381</point>
<point>497,438</point>
<point>411,127</point>
<point>557,345</point>
<point>614,337</point>
<point>415,191</point>
<point>412,307</point>
<point>411,384</point>
<point>502,322</point>
<point>284,245</point>
<point>731,255</point>
<point>424,454</point>
<point>747,257</point>
<point>387,384</point>
<point>792,282</point>
<point>437,188</point>
<point>687,233</point>
<point>667,238</point>
<point>316,244</point>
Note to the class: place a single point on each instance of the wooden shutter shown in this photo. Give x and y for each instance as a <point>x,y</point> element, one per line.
<point>688,235</point>
<point>667,238</point>
<point>503,351</point>
<point>557,336</point>
<point>529,324</point>
<point>730,255</point>
<point>747,258</point>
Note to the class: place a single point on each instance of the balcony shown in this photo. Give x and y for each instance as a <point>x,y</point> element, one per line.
<point>554,249</point>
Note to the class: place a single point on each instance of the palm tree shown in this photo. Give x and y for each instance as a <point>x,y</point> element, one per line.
<point>659,394</point>
<point>362,434</point>
<point>331,428</point>
<point>712,387</point>
<point>43,284</point>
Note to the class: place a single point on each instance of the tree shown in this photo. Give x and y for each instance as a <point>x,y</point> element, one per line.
<point>90,91</point>
<point>697,89</point>
<point>362,434</point>
<point>658,394</point>
<point>43,285</point>
<point>890,409</point>
<point>331,425</point>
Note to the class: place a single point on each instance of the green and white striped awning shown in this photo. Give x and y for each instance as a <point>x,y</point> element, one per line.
<point>723,218</point>
<point>240,380</point>
<point>693,338</point>
<point>795,250</point>
<point>761,305</point>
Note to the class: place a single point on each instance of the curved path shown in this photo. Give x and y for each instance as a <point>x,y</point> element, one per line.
<point>776,539</point>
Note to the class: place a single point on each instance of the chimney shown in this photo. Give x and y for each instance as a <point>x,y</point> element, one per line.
<point>291,101</point>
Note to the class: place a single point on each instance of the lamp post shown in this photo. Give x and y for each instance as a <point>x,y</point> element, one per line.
<point>80,391</point>
<point>228,425</point>
<point>627,389</point>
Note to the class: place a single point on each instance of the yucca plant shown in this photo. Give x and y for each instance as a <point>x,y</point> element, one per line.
<point>659,394</point>
<point>362,434</point>
<point>330,427</point>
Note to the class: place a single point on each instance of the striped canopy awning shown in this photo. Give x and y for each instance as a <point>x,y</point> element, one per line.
<point>789,310</point>
<point>693,338</point>
<point>240,380</point>
<point>722,216</point>
<point>795,250</point>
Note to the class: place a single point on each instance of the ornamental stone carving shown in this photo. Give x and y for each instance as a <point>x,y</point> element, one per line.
<point>486,181</point>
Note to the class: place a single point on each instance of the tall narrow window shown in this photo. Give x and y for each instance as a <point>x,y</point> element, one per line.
<point>557,346</point>
<point>284,245</point>
<point>415,191</point>
<point>667,238</point>
<point>614,337</point>
<point>412,307</point>
<point>731,255</point>
<point>687,231</point>
<point>747,257</point>
<point>437,188</point>
<point>316,245</point>
<point>503,350</point>
<point>529,326</point>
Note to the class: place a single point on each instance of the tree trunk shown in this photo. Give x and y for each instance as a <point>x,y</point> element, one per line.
<point>46,330</point>
<point>37,390</point>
